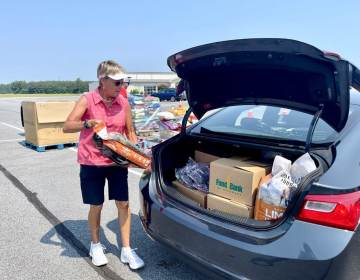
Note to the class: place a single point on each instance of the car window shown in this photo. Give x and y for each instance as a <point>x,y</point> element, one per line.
<point>267,121</point>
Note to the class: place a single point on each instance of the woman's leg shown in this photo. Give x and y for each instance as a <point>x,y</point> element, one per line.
<point>124,218</point>
<point>94,218</point>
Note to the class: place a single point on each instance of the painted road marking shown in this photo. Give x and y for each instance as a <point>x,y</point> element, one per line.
<point>11,140</point>
<point>9,125</point>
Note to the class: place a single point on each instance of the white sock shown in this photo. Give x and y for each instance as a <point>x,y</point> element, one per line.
<point>126,249</point>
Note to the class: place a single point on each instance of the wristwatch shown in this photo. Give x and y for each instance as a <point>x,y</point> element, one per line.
<point>86,124</point>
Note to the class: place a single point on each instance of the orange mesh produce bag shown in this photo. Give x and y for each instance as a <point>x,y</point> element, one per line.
<point>126,151</point>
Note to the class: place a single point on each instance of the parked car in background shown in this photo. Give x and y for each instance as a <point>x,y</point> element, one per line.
<point>276,97</point>
<point>167,94</point>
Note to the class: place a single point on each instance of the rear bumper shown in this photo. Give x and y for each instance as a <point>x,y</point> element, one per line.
<point>195,261</point>
<point>305,251</point>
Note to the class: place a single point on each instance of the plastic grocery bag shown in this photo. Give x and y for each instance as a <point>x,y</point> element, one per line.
<point>274,195</point>
<point>194,175</point>
<point>280,163</point>
<point>301,167</point>
<point>277,191</point>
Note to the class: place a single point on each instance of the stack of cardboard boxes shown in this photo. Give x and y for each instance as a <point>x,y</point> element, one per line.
<point>232,186</point>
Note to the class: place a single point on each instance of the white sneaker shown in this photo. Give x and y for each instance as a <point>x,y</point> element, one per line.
<point>129,256</point>
<point>97,254</point>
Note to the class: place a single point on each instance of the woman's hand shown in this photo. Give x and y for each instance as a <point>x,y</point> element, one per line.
<point>92,123</point>
<point>148,169</point>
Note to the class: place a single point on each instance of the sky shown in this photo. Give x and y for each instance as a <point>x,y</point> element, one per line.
<point>66,40</point>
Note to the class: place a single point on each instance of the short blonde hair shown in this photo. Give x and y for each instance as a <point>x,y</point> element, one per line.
<point>109,67</point>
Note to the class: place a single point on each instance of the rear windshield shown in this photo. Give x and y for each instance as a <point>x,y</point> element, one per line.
<point>268,122</point>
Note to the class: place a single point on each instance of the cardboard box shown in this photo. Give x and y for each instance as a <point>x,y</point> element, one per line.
<point>44,121</point>
<point>204,157</point>
<point>236,179</point>
<point>192,194</point>
<point>225,205</point>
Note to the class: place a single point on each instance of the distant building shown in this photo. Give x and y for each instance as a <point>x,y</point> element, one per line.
<point>147,82</point>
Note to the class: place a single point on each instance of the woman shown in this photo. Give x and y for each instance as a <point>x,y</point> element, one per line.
<point>107,105</point>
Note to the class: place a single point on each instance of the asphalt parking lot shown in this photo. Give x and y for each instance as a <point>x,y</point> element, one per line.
<point>43,223</point>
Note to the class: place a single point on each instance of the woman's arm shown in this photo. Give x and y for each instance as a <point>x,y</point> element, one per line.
<point>73,122</point>
<point>130,131</point>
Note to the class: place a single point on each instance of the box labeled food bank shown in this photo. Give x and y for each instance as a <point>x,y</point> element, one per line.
<point>237,179</point>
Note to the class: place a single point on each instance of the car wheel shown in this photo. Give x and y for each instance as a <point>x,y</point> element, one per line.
<point>172,99</point>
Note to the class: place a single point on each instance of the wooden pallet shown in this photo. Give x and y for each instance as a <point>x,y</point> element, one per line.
<point>47,147</point>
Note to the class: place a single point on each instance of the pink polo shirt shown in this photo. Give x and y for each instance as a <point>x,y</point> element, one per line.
<point>115,119</point>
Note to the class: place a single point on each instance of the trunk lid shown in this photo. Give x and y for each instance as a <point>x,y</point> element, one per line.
<point>278,72</point>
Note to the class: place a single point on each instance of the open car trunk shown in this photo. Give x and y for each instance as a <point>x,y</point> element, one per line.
<point>264,71</point>
<point>175,153</point>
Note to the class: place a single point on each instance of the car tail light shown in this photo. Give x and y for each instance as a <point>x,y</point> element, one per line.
<point>340,210</point>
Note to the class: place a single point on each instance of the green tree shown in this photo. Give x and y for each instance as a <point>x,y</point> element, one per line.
<point>18,86</point>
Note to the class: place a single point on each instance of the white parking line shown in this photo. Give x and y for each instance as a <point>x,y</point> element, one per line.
<point>11,140</point>
<point>9,125</point>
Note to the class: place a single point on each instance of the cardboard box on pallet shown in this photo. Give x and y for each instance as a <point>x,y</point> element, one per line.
<point>225,205</point>
<point>195,195</point>
<point>237,179</point>
<point>43,122</point>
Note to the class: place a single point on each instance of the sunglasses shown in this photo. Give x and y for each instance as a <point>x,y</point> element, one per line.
<point>116,82</point>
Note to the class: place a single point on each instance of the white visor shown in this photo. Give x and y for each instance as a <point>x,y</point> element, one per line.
<point>117,76</point>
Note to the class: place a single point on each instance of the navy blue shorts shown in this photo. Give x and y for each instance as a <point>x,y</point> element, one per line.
<point>92,181</point>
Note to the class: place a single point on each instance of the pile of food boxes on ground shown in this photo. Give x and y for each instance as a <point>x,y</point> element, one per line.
<point>145,119</point>
<point>153,126</point>
<point>240,186</point>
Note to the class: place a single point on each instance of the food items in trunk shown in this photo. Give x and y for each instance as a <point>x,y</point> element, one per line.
<point>119,144</point>
<point>194,174</point>
<point>204,157</point>
<point>237,178</point>
<point>197,196</point>
<point>277,190</point>
<point>302,167</point>
<point>218,203</point>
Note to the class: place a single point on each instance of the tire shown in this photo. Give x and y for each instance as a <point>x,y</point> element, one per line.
<point>172,99</point>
